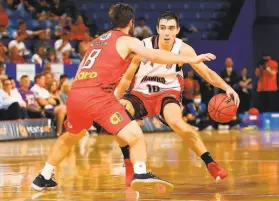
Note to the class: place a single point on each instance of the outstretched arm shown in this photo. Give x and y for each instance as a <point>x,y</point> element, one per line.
<point>209,75</point>
<point>162,56</point>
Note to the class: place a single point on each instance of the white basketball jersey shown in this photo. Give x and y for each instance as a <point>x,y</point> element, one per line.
<point>153,78</point>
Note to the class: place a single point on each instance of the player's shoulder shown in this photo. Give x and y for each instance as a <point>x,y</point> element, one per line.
<point>186,48</point>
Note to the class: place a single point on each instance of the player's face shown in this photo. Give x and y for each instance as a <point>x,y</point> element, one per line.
<point>167,30</point>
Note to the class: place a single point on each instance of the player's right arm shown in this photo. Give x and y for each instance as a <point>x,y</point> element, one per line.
<point>162,56</point>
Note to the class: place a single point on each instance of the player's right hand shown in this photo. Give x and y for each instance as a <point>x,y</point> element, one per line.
<point>202,57</point>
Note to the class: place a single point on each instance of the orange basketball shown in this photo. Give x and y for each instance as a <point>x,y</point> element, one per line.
<point>221,108</point>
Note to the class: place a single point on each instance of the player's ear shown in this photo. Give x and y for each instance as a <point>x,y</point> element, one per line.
<point>178,29</point>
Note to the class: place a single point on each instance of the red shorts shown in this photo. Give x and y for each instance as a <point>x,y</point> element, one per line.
<point>85,105</point>
<point>151,105</point>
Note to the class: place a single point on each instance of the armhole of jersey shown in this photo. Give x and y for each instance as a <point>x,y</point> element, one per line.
<point>140,62</point>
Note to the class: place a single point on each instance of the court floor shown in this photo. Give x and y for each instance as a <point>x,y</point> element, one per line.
<point>94,170</point>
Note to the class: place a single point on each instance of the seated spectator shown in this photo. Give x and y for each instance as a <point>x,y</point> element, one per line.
<point>3,74</point>
<point>78,29</point>
<point>63,45</point>
<point>18,50</point>
<point>14,96</point>
<point>3,52</point>
<point>196,114</point>
<point>51,56</point>
<point>66,58</point>
<point>52,88</point>
<point>49,78</point>
<point>42,42</point>
<point>47,68</point>
<point>21,29</point>
<point>39,57</point>
<point>191,87</point>
<point>84,45</point>
<point>4,21</point>
<point>9,108</point>
<point>13,84</point>
<point>46,102</point>
<point>63,22</point>
<point>142,31</point>
<point>65,88</point>
<point>62,79</point>
<point>33,108</point>
<point>245,91</point>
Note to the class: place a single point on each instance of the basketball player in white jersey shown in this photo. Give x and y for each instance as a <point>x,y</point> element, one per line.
<point>156,90</point>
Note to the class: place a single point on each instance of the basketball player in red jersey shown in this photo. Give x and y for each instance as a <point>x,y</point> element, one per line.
<point>156,90</point>
<point>91,97</point>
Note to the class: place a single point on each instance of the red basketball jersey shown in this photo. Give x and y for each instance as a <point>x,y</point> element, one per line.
<point>102,65</point>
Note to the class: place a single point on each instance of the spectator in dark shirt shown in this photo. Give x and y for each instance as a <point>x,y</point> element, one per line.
<point>229,74</point>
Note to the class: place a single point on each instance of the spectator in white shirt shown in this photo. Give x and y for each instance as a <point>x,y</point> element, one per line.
<point>63,45</point>
<point>48,103</point>
<point>142,31</point>
<point>17,49</point>
<point>14,96</point>
<point>21,28</point>
<point>39,56</point>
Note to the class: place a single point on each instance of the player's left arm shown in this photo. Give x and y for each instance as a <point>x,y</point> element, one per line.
<point>127,78</point>
<point>209,75</point>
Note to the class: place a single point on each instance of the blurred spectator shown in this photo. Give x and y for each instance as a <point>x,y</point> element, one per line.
<point>229,74</point>
<point>47,68</point>
<point>191,86</point>
<point>13,4</point>
<point>3,74</point>
<point>52,88</point>
<point>21,29</point>
<point>66,58</point>
<point>197,114</point>
<point>207,91</point>
<point>49,78</point>
<point>51,56</point>
<point>267,84</point>
<point>142,31</point>
<point>9,108</point>
<point>65,88</point>
<point>13,84</point>
<point>4,19</point>
<point>78,29</point>
<point>42,42</point>
<point>45,101</point>
<point>18,50</point>
<point>62,79</point>
<point>245,91</point>
<point>14,96</point>
<point>63,22</point>
<point>84,45</point>
<point>63,45</point>
<point>3,52</point>
<point>39,57</point>
<point>33,109</point>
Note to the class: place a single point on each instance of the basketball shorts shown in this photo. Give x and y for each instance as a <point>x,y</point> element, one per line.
<point>150,105</point>
<point>85,105</point>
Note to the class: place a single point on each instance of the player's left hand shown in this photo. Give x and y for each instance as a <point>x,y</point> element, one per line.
<point>203,57</point>
<point>231,93</point>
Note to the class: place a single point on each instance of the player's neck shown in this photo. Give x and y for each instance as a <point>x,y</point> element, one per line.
<point>124,30</point>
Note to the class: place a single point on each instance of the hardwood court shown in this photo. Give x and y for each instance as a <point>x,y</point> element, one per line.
<point>94,170</point>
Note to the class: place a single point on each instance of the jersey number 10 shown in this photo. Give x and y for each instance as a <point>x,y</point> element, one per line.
<point>152,88</point>
<point>90,60</point>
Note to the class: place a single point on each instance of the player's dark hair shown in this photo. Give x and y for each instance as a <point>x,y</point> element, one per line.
<point>121,14</point>
<point>169,15</point>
